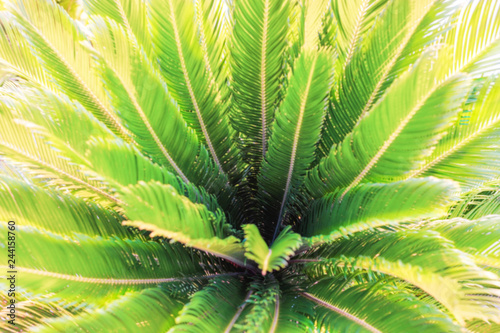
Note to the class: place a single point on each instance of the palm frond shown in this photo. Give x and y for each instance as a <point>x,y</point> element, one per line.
<point>261,311</point>
<point>56,212</point>
<point>213,29</point>
<point>373,205</point>
<point>344,304</point>
<point>152,308</point>
<point>51,263</point>
<point>49,30</point>
<point>157,208</point>
<point>60,116</point>
<point>479,237</point>
<point>33,310</point>
<point>479,326</point>
<point>476,132</point>
<point>294,135</point>
<point>380,140</point>
<point>120,163</point>
<point>451,276</point>
<point>353,19</point>
<point>250,165</point>
<point>46,157</point>
<point>296,314</point>
<point>138,93</point>
<point>129,13</point>
<point>377,60</point>
<point>480,202</point>
<point>474,43</point>
<point>270,259</point>
<point>314,13</point>
<point>222,297</point>
<point>18,58</point>
<point>257,47</point>
<point>181,61</point>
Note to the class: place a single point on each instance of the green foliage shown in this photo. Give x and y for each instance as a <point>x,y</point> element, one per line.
<point>370,205</point>
<point>275,257</point>
<point>251,165</point>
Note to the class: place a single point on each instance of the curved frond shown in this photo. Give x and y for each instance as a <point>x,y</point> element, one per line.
<point>314,13</point>
<point>211,308</point>
<point>151,310</point>
<point>17,59</point>
<point>132,14</point>
<point>479,202</point>
<point>50,31</point>
<point>273,166</point>
<point>451,277</point>
<point>480,238</point>
<point>45,156</point>
<point>294,135</point>
<point>120,162</point>
<point>159,208</point>
<point>32,310</point>
<point>479,326</point>
<point>353,19</point>
<point>257,48</point>
<point>51,263</point>
<point>394,34</point>
<point>472,142</point>
<point>60,116</point>
<point>270,259</point>
<point>373,306</point>
<point>180,57</point>
<point>262,308</point>
<point>138,93</point>
<point>377,150</point>
<point>56,212</point>
<point>372,205</point>
<point>296,314</point>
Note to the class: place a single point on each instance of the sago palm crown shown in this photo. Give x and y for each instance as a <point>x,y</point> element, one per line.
<point>251,165</point>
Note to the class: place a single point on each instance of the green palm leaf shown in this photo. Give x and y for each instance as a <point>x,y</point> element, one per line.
<point>222,296</point>
<point>156,207</point>
<point>137,97</point>
<point>370,205</point>
<point>132,15</point>
<point>49,30</point>
<point>478,237</point>
<point>441,279</point>
<point>291,148</point>
<point>478,203</point>
<point>276,256</point>
<point>249,166</point>
<point>56,212</point>
<point>257,47</point>
<point>47,157</point>
<point>101,280</point>
<point>385,155</point>
<point>387,32</point>
<point>127,311</point>
<point>373,306</point>
<point>477,131</point>
<point>35,310</point>
<point>180,56</point>
<point>17,58</point>
<point>262,304</point>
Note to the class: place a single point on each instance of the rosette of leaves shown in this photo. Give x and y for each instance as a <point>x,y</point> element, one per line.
<point>251,165</point>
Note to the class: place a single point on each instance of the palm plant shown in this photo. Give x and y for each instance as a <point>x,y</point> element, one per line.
<point>251,165</point>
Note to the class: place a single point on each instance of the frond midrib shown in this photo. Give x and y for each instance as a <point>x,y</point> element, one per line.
<point>114,281</point>
<point>124,133</point>
<point>340,312</point>
<point>185,73</point>
<point>294,147</point>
